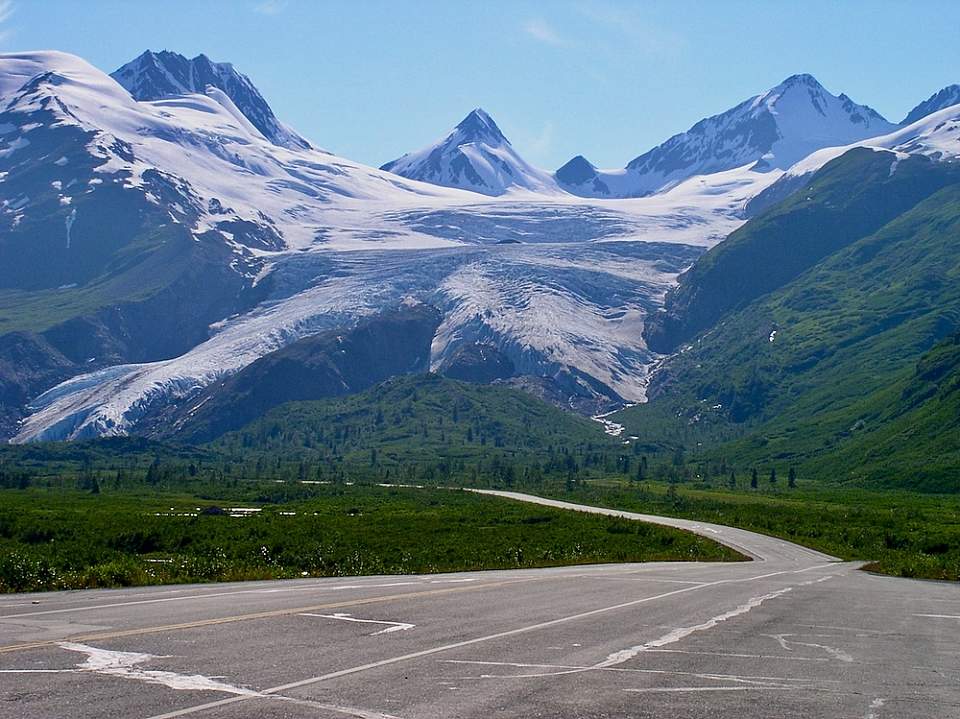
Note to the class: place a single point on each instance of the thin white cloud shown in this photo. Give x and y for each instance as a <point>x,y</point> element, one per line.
<point>631,22</point>
<point>543,142</point>
<point>270,7</point>
<point>535,146</point>
<point>541,31</point>
<point>6,12</point>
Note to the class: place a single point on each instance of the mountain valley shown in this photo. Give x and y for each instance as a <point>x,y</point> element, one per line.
<point>181,264</point>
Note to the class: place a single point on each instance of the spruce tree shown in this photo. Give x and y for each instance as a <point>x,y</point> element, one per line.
<point>773,476</point>
<point>753,479</point>
<point>792,478</point>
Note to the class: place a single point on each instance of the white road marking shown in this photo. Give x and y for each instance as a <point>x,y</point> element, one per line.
<point>207,595</point>
<point>939,616</point>
<point>683,632</point>
<point>124,664</point>
<point>645,579</point>
<point>349,711</point>
<point>676,635</point>
<point>701,528</point>
<point>832,651</point>
<point>859,631</point>
<point>816,581</point>
<point>394,626</point>
<point>668,690</point>
<point>874,705</point>
<point>737,678</point>
<point>478,640</point>
<point>734,655</point>
<point>337,588</point>
<point>319,587</point>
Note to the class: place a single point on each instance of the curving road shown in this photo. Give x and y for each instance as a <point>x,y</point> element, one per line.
<point>792,634</point>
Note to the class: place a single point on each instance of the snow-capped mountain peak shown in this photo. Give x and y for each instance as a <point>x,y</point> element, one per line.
<point>159,75</point>
<point>580,172</point>
<point>806,103</point>
<point>474,156</point>
<point>772,130</point>
<point>780,126</point>
<point>947,97</point>
<point>478,126</point>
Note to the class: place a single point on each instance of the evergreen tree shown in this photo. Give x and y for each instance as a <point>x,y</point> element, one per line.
<point>753,479</point>
<point>792,478</point>
<point>733,479</point>
<point>773,476</point>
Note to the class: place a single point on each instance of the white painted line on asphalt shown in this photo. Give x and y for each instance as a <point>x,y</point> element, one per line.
<point>874,705</point>
<point>339,587</point>
<point>208,595</point>
<point>394,626</point>
<point>669,690</point>
<point>856,630</point>
<point>939,616</point>
<point>645,579</point>
<point>734,655</point>
<point>124,665</point>
<point>817,581</point>
<point>676,635</point>
<point>633,670</point>
<point>832,651</point>
<point>319,587</point>
<point>683,632</point>
<point>349,711</point>
<point>478,640</point>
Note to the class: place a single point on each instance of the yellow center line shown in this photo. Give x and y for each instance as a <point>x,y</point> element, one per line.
<point>99,636</point>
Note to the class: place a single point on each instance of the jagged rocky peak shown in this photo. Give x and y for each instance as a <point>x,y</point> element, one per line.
<point>156,75</point>
<point>577,170</point>
<point>947,97</point>
<point>478,126</point>
<point>474,156</point>
<point>582,177</point>
<point>781,126</point>
<point>811,95</point>
<point>771,130</point>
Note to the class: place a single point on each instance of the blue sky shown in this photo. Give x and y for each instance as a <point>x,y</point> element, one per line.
<point>372,79</point>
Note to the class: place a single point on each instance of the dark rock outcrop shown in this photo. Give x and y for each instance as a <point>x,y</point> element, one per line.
<point>480,363</point>
<point>330,364</point>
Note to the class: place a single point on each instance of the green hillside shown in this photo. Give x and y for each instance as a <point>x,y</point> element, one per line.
<point>833,371</point>
<point>407,424</point>
<point>850,198</point>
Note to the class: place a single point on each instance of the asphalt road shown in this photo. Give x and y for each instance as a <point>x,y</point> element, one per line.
<point>791,634</point>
